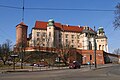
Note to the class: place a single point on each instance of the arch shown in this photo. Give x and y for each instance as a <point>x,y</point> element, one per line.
<point>90,45</point>
<point>102,47</point>
<point>99,47</point>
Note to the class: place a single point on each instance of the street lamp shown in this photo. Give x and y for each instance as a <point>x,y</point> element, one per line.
<point>95,49</point>
<point>21,56</point>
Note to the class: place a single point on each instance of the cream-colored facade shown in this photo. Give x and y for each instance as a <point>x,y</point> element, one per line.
<point>101,40</point>
<point>51,34</point>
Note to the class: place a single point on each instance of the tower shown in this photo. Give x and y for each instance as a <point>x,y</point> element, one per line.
<point>101,40</point>
<point>50,33</point>
<point>21,35</point>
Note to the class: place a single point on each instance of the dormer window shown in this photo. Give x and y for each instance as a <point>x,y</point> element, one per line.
<point>86,28</point>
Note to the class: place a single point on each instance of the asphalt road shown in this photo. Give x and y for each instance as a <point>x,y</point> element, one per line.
<point>109,73</point>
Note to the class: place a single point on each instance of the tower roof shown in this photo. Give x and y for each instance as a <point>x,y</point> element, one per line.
<point>22,24</point>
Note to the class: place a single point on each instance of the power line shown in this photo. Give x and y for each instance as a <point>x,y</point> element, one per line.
<point>68,9</point>
<point>10,7</point>
<point>59,9</point>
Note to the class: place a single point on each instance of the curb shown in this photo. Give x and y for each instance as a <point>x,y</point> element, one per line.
<point>12,71</point>
<point>83,69</point>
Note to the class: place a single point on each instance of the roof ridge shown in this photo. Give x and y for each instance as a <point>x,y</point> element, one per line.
<point>58,25</point>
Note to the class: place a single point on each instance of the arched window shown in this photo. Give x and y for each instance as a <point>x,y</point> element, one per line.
<point>102,47</point>
<point>90,45</point>
<point>99,47</point>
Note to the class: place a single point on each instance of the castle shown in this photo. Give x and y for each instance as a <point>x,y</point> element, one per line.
<point>56,35</point>
<point>53,34</point>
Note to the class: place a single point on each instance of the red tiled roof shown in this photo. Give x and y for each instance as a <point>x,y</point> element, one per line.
<point>43,25</point>
<point>72,28</point>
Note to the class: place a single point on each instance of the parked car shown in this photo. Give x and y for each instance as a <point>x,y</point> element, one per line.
<point>40,64</point>
<point>74,65</point>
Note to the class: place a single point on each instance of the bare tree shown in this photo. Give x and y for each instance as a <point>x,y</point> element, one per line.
<point>116,23</point>
<point>5,49</point>
<point>65,52</point>
<point>40,44</point>
<point>117,51</point>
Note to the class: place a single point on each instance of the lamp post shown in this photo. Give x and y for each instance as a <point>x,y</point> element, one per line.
<point>95,49</point>
<point>21,57</point>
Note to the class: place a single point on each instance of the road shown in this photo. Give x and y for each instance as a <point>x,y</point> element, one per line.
<point>109,73</point>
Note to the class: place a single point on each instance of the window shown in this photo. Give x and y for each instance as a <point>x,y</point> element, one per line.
<point>72,41</point>
<point>49,34</point>
<point>44,34</point>
<point>38,33</point>
<point>97,40</point>
<point>66,40</point>
<point>86,34</point>
<point>66,35</point>
<point>90,45</point>
<point>78,37</point>
<point>43,40</point>
<point>99,47</point>
<point>72,46</point>
<point>90,57</point>
<point>43,44</point>
<point>102,47</point>
<point>102,40</point>
<point>38,39</point>
<point>72,36</point>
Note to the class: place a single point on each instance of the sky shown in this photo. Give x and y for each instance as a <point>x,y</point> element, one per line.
<point>10,17</point>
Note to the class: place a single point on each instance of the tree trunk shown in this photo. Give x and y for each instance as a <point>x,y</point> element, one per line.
<point>4,62</point>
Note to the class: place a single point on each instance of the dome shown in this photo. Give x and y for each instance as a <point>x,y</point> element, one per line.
<point>51,20</point>
<point>101,30</point>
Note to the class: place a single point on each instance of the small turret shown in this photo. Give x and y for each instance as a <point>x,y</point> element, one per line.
<point>50,22</point>
<point>101,40</point>
<point>100,30</point>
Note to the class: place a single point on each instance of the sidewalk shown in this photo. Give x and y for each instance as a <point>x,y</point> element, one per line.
<point>34,69</point>
<point>87,67</point>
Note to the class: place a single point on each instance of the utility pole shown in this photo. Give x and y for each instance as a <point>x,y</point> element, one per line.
<point>21,55</point>
<point>23,12</point>
<point>95,49</point>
